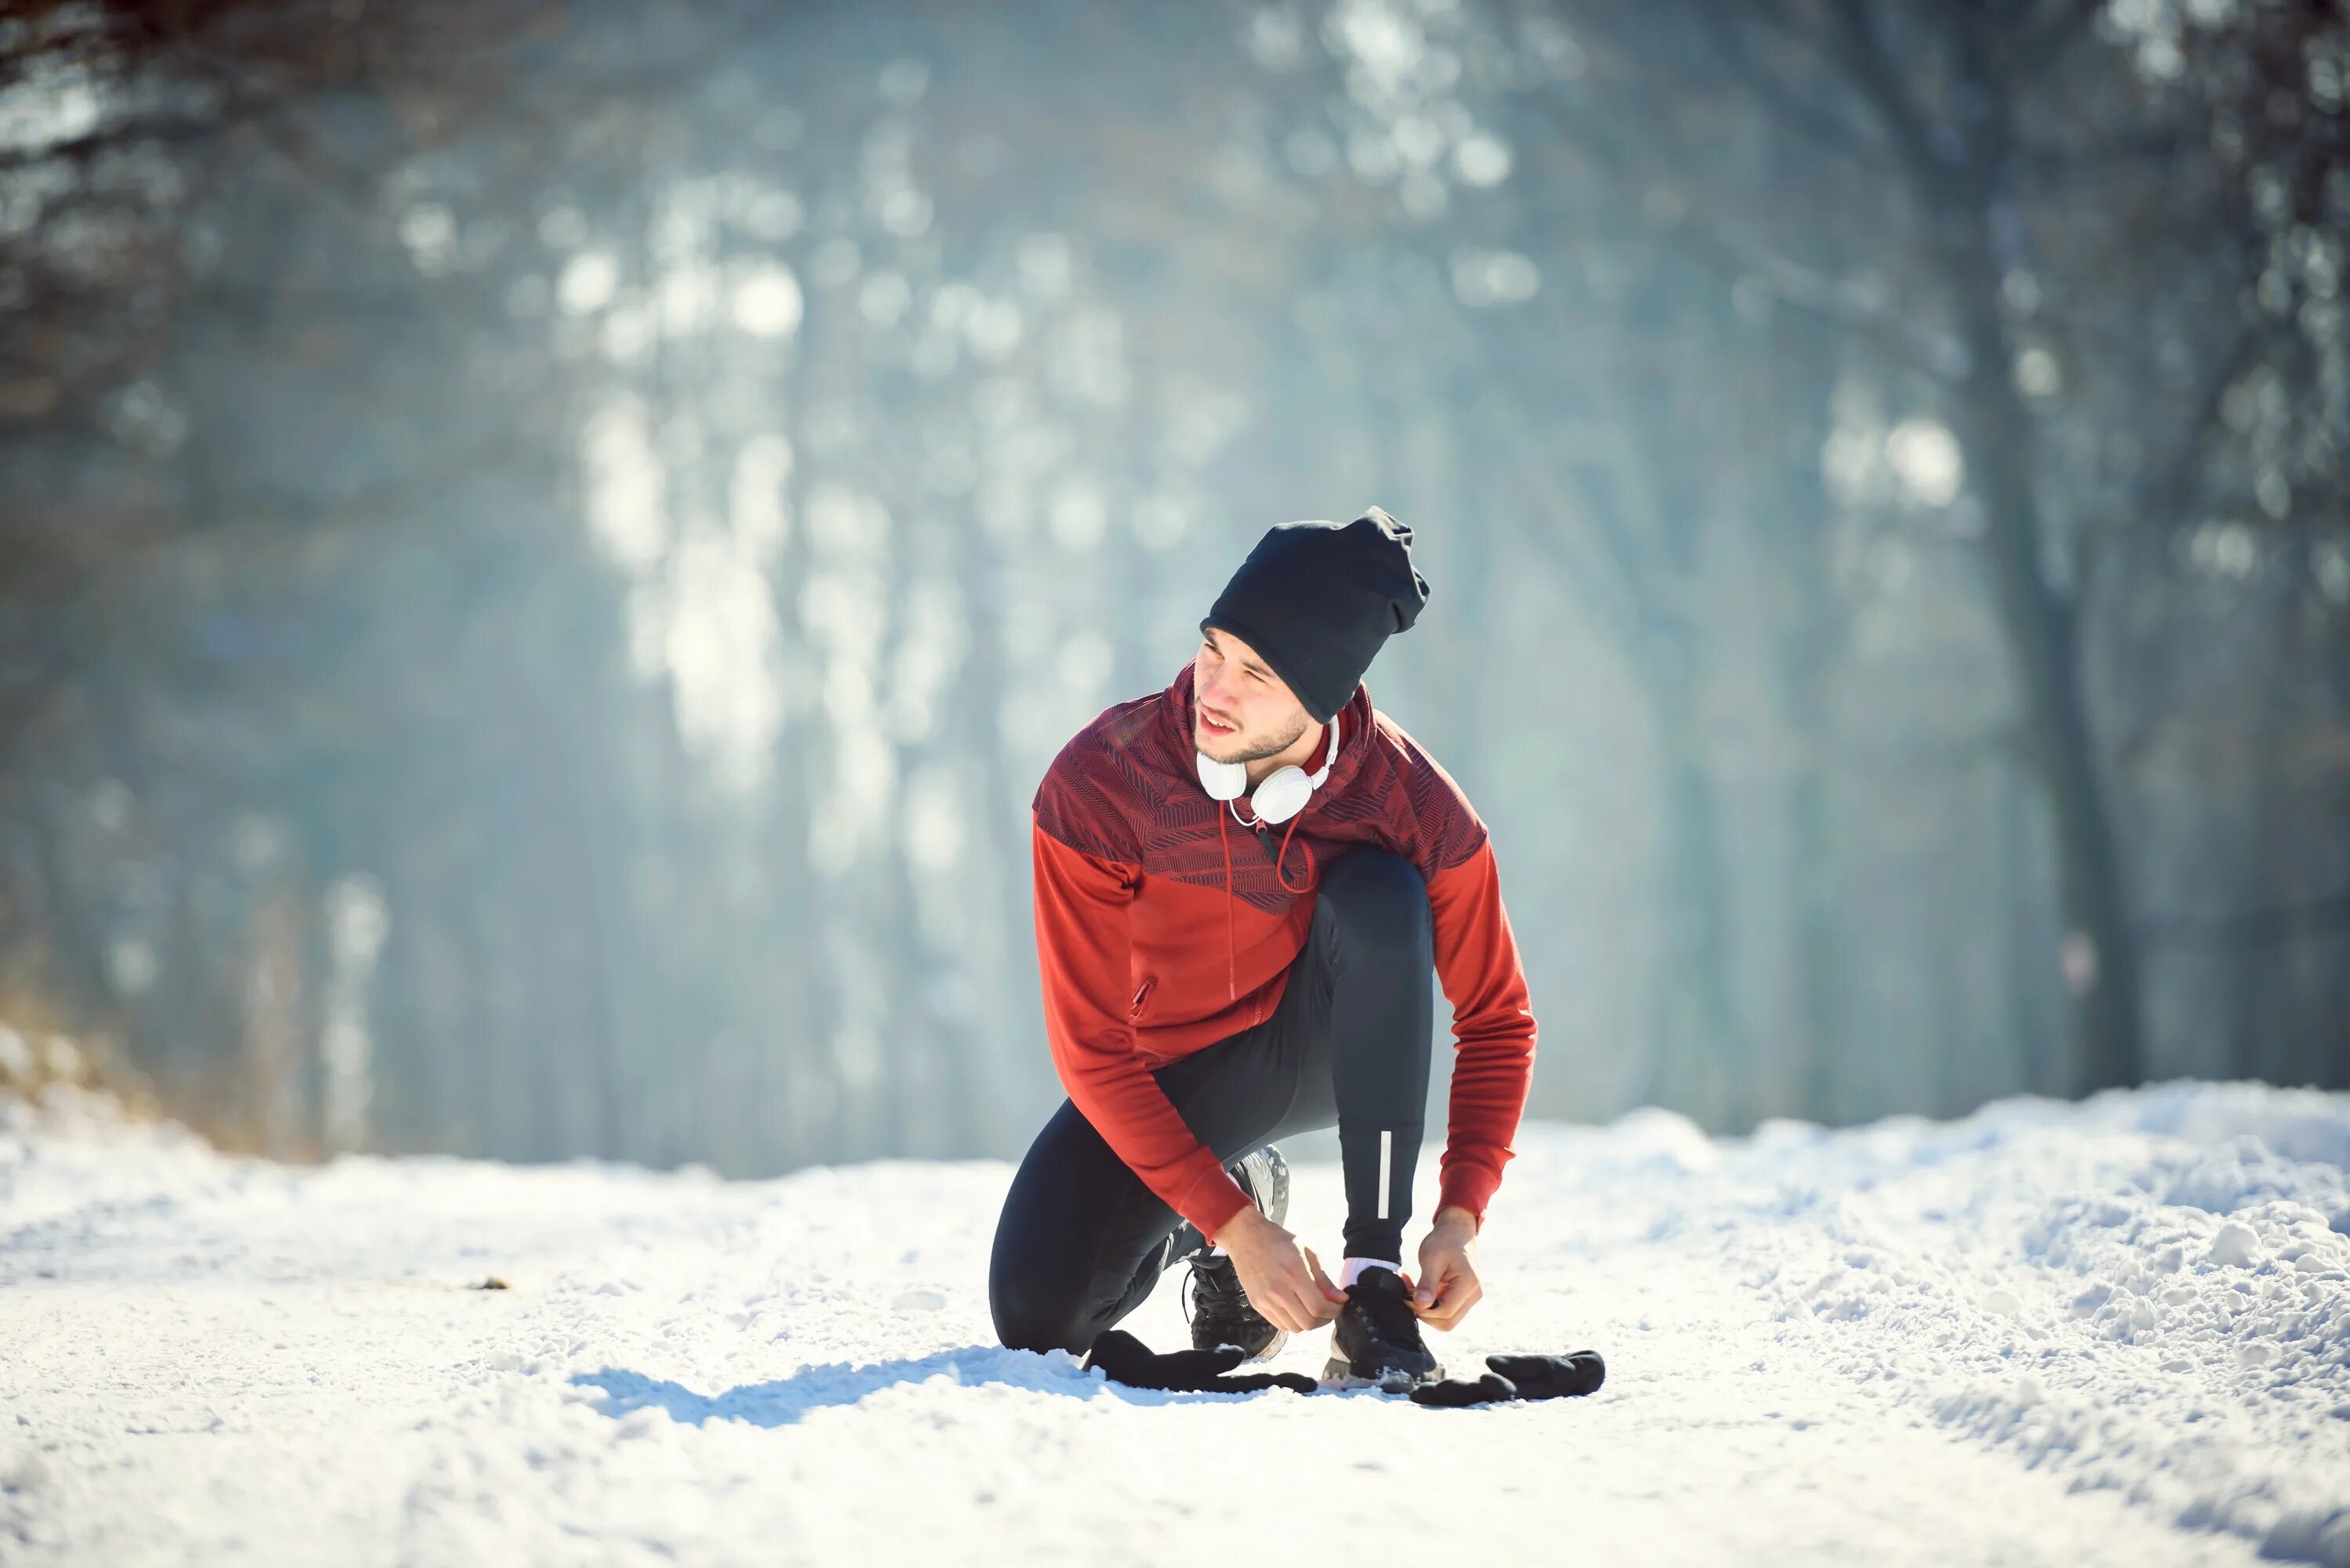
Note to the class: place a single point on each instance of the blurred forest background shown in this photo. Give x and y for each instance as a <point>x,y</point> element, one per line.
<point>544,549</point>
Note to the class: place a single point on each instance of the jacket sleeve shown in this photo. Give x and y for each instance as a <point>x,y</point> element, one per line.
<point>1492,1028</point>
<point>1082,955</point>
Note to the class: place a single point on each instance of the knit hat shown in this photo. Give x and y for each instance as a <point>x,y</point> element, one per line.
<point>1317,599</point>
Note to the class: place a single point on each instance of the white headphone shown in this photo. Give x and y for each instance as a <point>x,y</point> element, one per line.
<point>1281,797</point>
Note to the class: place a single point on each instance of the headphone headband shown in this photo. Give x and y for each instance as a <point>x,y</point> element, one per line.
<point>1282,793</point>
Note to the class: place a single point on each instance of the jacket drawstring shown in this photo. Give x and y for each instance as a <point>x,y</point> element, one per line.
<point>1283,854</point>
<point>1232,965</point>
<point>1223,841</point>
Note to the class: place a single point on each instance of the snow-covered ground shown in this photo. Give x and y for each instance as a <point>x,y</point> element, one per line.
<point>2116,1332</point>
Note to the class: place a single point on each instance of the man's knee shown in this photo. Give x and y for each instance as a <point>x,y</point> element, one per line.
<point>1034,1290</point>
<point>1031,1305</point>
<point>1032,1316</point>
<point>1072,1208</point>
<point>1380,901</point>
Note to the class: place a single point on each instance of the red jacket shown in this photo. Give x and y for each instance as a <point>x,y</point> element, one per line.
<point>1162,928</point>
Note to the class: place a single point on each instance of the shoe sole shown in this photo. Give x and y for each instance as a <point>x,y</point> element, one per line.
<point>1338,1372</point>
<point>1273,1204</point>
<point>1280,1338</point>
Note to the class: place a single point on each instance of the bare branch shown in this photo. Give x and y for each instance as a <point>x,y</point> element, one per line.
<point>1729,42</point>
<point>2155,148</point>
<point>2041,47</point>
<point>1855,46</point>
<point>2166,497</point>
<point>1890,332</point>
<point>2252,927</point>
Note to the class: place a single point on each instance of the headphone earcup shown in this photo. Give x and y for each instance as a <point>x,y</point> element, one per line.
<point>1222,781</point>
<point>1282,794</point>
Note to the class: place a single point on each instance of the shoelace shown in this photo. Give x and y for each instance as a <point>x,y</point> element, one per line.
<point>1389,1317</point>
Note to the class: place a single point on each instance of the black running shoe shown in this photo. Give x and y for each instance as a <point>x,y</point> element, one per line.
<point>1376,1342</point>
<point>1215,1302</point>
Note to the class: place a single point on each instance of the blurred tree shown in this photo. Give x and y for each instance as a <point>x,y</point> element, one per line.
<point>623,503</point>
<point>2020,173</point>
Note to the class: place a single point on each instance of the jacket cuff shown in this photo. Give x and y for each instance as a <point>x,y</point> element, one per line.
<point>1468,1187</point>
<point>1210,1202</point>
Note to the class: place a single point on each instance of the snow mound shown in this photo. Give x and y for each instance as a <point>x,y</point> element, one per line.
<point>2146,1291</point>
<point>2110,1332</point>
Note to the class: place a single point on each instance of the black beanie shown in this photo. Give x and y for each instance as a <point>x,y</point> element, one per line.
<point>1317,599</point>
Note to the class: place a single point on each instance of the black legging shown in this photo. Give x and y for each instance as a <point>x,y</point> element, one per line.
<point>1082,1240</point>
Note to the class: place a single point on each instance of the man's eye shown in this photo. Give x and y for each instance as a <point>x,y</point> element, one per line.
<point>1257,675</point>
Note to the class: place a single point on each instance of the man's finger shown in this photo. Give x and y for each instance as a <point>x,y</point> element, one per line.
<point>1285,1312</point>
<point>1329,1292</point>
<point>1268,1304</point>
<point>1455,1306</point>
<point>1459,1292</point>
<point>1288,1302</point>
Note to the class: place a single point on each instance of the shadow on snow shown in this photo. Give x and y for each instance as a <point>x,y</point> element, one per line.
<point>783,1402</point>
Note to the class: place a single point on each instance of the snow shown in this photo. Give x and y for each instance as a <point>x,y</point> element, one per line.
<point>2111,1332</point>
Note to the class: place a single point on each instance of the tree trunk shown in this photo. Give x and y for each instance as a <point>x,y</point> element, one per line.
<point>1699,1059</point>
<point>2100,958</point>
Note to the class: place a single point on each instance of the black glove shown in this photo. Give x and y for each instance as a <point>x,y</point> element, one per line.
<point>1552,1376</point>
<point>1125,1359</point>
<point>1518,1378</point>
<point>1456,1392</point>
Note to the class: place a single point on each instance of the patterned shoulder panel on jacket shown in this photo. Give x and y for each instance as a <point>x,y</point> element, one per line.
<point>1087,798</point>
<point>1415,805</point>
<point>1121,791</point>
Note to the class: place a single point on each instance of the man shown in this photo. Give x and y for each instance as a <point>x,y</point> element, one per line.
<point>1242,884</point>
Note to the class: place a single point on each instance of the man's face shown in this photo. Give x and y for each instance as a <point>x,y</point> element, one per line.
<point>1241,710</point>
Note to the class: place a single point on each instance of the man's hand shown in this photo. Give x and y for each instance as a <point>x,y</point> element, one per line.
<point>1448,1285</point>
<point>1283,1280</point>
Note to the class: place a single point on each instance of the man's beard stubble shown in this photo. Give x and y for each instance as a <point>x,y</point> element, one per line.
<point>1264,749</point>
